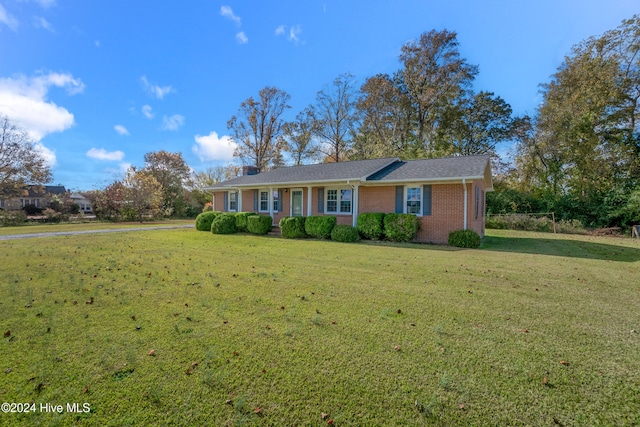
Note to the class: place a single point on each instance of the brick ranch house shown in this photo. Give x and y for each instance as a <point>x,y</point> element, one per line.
<point>447,194</point>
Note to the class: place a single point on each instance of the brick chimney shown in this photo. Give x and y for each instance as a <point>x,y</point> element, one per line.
<point>250,170</point>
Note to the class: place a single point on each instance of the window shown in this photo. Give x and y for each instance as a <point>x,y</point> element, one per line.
<point>414,200</point>
<point>276,197</point>
<point>264,201</point>
<point>339,201</point>
<point>233,201</point>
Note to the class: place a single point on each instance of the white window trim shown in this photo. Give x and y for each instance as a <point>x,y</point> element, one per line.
<point>260,191</point>
<point>406,192</point>
<point>337,212</point>
<point>229,202</point>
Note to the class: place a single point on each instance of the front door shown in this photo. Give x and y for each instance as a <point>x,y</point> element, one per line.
<point>296,202</point>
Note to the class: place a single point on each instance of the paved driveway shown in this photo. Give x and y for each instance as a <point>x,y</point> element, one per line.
<point>74,233</point>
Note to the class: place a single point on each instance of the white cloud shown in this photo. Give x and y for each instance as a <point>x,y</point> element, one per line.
<point>8,19</point>
<point>102,154</point>
<point>212,147</point>
<point>172,123</point>
<point>24,100</point>
<point>227,12</point>
<point>40,22</point>
<point>294,32</point>
<point>242,38</point>
<point>156,90</point>
<point>49,155</point>
<point>146,111</point>
<point>121,130</point>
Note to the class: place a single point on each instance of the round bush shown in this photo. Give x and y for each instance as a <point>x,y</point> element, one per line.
<point>241,221</point>
<point>259,224</point>
<point>205,219</point>
<point>370,225</point>
<point>345,233</point>
<point>224,224</point>
<point>320,226</point>
<point>464,239</point>
<point>292,227</point>
<point>401,227</point>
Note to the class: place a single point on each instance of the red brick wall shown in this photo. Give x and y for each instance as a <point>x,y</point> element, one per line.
<point>446,207</point>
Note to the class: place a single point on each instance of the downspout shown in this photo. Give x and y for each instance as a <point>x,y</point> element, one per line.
<point>464,184</point>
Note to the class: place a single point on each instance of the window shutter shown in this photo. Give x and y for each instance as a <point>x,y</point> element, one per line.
<point>237,201</point>
<point>225,207</point>
<point>255,200</point>
<point>399,198</point>
<point>321,200</point>
<point>477,201</point>
<point>280,193</point>
<point>426,200</point>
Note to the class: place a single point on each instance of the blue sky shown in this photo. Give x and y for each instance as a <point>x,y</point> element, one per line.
<point>100,83</point>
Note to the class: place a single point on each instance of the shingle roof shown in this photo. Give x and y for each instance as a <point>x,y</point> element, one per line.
<point>434,169</point>
<point>39,191</point>
<point>372,171</point>
<point>323,172</point>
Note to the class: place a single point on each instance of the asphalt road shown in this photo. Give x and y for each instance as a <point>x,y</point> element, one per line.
<point>74,233</point>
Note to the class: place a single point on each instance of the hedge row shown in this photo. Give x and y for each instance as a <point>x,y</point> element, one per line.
<point>392,226</point>
<point>229,222</point>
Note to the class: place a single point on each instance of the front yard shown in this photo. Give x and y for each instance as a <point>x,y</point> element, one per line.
<point>179,327</point>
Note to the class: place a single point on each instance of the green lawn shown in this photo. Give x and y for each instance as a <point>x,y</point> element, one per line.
<point>33,228</point>
<point>532,330</point>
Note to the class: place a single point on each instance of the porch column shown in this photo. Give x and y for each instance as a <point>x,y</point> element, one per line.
<point>309,201</point>
<point>354,207</point>
<point>270,201</point>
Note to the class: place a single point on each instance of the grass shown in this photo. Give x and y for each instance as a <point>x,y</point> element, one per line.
<point>34,228</point>
<point>532,329</point>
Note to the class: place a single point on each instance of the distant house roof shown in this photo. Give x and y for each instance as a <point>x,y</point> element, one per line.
<point>41,190</point>
<point>387,170</point>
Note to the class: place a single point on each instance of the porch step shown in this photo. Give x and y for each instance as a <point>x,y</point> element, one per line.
<point>275,231</point>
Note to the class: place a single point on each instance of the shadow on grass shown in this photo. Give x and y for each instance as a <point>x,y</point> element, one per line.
<point>561,247</point>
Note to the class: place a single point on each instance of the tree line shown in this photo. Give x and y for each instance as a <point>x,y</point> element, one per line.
<point>578,155</point>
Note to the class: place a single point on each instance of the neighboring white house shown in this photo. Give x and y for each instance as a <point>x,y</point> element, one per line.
<point>83,202</point>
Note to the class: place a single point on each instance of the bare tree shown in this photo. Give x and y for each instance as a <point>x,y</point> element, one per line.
<point>21,163</point>
<point>334,118</point>
<point>298,139</point>
<point>257,126</point>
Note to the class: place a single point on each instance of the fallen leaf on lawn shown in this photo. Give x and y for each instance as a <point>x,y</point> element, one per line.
<point>396,348</point>
<point>399,311</point>
<point>324,416</point>
<point>267,327</point>
<point>152,352</point>
<point>460,405</point>
<point>7,334</point>
<point>8,370</point>
<point>526,331</point>
<point>86,389</point>
<point>257,410</point>
<point>228,402</point>
<point>564,362</point>
<point>330,422</point>
<point>545,381</point>
<point>133,317</point>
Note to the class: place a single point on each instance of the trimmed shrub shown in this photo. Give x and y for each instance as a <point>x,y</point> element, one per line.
<point>400,227</point>
<point>241,220</point>
<point>205,219</point>
<point>259,224</point>
<point>345,233</point>
<point>464,239</point>
<point>292,227</point>
<point>370,225</point>
<point>224,224</point>
<point>12,218</point>
<point>320,226</point>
